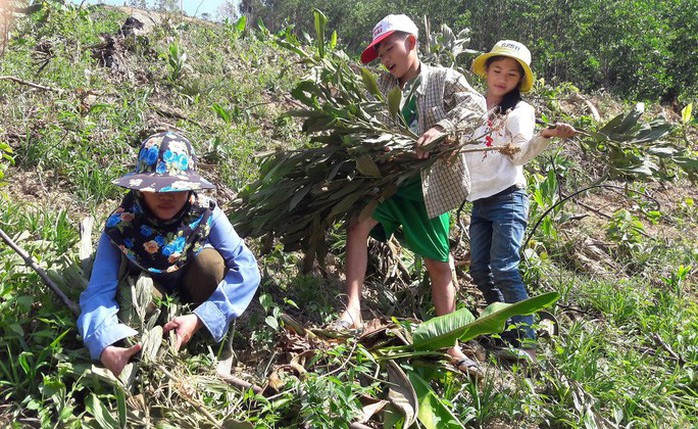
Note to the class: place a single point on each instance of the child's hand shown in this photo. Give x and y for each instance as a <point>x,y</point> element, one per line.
<point>560,130</point>
<point>185,327</point>
<point>115,358</point>
<point>427,137</point>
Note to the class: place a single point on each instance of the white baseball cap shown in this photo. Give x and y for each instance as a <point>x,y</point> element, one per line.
<point>385,28</point>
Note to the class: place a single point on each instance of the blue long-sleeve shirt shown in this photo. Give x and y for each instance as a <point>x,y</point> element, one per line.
<point>98,323</point>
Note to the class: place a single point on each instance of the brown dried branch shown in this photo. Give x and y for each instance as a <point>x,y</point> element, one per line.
<point>31,84</point>
<point>239,383</point>
<point>680,360</point>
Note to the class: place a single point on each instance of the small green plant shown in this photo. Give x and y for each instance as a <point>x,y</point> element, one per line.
<point>544,195</point>
<point>329,402</point>
<point>233,115</point>
<point>235,30</point>
<point>626,230</point>
<point>686,121</point>
<point>6,159</point>
<point>177,65</point>
<point>677,278</point>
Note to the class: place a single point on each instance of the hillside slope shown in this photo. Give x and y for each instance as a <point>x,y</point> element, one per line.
<point>88,89</point>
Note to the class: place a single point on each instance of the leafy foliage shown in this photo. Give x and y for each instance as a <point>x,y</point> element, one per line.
<point>571,41</point>
<point>359,152</point>
<point>632,149</point>
<point>6,159</point>
<point>461,325</point>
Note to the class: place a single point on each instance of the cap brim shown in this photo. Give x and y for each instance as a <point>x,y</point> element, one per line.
<point>369,54</point>
<point>479,69</point>
<point>154,182</point>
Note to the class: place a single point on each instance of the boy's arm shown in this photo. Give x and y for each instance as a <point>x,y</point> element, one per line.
<point>465,107</point>
<point>465,110</point>
<point>236,290</point>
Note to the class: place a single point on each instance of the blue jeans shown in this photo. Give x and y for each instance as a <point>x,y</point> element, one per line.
<point>496,233</point>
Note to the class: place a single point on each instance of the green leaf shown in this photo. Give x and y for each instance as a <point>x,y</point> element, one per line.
<point>320,23</point>
<point>333,40</point>
<point>367,166</point>
<point>231,423</point>
<point>433,414</point>
<point>610,126</point>
<point>394,101</point>
<point>298,196</point>
<point>646,168</point>
<point>443,331</point>
<point>17,329</point>
<point>104,419</point>
<point>121,405</point>
<point>652,134</point>
<point>241,23</point>
<point>663,151</point>
<point>630,119</point>
<point>272,322</point>
<point>370,83</point>
<point>221,112</point>
<point>344,205</point>
<point>687,114</point>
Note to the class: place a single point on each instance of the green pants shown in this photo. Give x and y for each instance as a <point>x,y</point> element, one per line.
<point>405,212</point>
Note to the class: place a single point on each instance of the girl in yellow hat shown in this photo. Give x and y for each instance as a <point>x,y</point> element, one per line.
<point>498,185</point>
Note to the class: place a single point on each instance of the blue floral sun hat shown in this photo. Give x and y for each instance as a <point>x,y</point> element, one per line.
<point>166,163</point>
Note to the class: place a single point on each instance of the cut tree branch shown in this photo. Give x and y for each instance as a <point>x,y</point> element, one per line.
<point>50,283</point>
<point>240,383</point>
<point>31,84</point>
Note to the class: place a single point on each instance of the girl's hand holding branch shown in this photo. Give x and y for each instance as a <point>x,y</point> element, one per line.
<point>559,130</point>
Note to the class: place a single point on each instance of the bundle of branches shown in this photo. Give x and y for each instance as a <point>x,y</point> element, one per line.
<point>360,152</point>
<point>630,149</point>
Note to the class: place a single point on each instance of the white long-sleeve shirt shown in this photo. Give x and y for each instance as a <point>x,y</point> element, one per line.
<point>492,172</point>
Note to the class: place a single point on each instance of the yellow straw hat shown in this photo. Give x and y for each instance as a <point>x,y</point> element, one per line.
<point>511,49</point>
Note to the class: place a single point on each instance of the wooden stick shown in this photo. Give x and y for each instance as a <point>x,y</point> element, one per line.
<point>30,262</point>
<point>239,383</point>
<point>33,85</point>
<point>681,361</point>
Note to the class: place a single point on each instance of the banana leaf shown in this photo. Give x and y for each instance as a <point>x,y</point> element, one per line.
<point>402,393</point>
<point>433,413</point>
<point>443,331</point>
